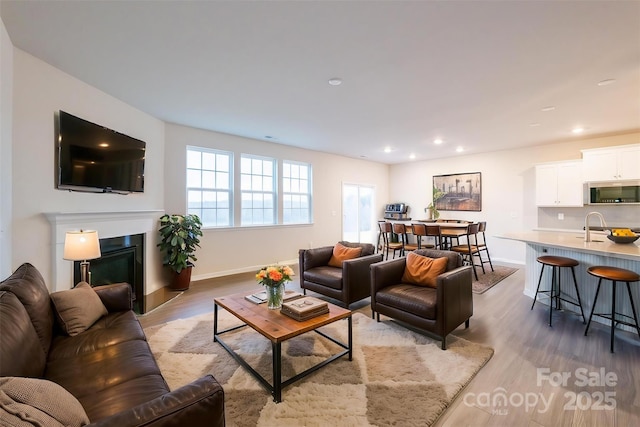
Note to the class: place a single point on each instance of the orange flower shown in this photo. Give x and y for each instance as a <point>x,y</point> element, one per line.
<point>274,275</point>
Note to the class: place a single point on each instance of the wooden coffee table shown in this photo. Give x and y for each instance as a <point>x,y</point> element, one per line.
<point>277,328</point>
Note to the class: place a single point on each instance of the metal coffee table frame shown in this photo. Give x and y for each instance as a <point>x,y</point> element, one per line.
<point>276,348</point>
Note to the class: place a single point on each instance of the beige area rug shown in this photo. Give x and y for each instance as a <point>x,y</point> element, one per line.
<point>396,378</point>
<point>490,278</point>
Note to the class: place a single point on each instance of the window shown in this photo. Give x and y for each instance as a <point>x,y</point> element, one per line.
<point>257,185</point>
<point>296,193</point>
<point>209,186</point>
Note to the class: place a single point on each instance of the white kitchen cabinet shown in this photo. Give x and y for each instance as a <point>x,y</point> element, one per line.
<point>612,163</point>
<point>559,184</point>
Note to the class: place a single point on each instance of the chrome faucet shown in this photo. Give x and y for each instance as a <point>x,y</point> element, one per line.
<point>587,233</point>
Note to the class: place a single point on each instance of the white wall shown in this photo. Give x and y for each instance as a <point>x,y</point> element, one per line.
<point>231,250</point>
<point>6,100</point>
<point>39,90</point>
<point>508,190</point>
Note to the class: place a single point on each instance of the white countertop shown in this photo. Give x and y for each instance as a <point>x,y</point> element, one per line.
<point>575,241</point>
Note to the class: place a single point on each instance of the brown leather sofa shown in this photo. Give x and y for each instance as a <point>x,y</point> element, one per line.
<point>439,310</point>
<point>348,284</point>
<point>109,368</point>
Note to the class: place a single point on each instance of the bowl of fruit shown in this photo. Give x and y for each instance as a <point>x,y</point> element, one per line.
<point>622,235</point>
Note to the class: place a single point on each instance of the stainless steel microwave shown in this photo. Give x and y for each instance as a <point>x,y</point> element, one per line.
<point>620,192</point>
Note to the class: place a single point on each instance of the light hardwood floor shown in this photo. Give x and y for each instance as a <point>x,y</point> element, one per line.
<point>547,376</point>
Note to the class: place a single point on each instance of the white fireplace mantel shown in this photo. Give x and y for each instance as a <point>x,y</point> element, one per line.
<point>107,224</point>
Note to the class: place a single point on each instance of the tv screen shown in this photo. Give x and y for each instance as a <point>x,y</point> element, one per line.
<point>94,158</point>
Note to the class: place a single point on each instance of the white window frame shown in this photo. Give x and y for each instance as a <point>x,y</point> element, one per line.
<point>296,193</point>
<point>253,194</point>
<point>213,191</point>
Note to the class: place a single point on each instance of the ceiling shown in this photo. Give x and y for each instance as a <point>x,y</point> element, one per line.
<point>476,74</point>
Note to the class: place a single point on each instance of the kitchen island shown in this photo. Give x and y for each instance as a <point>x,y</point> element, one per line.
<point>600,251</point>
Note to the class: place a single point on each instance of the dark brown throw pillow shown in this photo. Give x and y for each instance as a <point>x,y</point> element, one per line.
<point>78,308</point>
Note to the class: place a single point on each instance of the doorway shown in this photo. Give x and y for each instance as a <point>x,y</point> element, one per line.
<point>358,213</point>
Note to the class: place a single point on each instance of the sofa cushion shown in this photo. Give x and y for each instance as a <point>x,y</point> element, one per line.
<point>122,375</point>
<point>27,284</point>
<point>330,277</point>
<point>78,308</point>
<point>37,402</point>
<point>342,253</point>
<point>423,271</point>
<point>21,353</point>
<point>114,328</point>
<point>417,300</point>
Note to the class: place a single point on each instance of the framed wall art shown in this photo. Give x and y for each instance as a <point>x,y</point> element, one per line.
<point>462,191</point>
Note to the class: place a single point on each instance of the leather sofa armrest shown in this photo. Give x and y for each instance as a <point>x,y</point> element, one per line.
<point>198,404</point>
<point>115,297</point>
<point>356,276</point>
<point>454,297</point>
<point>359,268</point>
<point>386,273</point>
<point>458,277</point>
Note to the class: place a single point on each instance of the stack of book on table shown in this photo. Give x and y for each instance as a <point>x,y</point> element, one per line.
<point>304,308</point>
<point>261,297</point>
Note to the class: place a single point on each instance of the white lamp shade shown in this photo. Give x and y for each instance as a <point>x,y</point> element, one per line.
<point>81,245</point>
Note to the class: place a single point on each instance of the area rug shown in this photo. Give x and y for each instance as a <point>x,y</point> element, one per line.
<point>397,377</point>
<point>490,278</point>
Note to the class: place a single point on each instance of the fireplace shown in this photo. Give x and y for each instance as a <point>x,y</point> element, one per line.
<point>121,261</point>
<point>145,264</point>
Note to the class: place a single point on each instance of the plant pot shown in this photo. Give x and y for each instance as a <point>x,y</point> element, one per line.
<point>182,280</point>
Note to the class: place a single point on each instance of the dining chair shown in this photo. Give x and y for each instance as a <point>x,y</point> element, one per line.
<point>469,249</point>
<point>386,231</point>
<point>400,229</point>
<point>379,245</point>
<point>435,232</point>
<point>420,230</point>
<point>482,243</point>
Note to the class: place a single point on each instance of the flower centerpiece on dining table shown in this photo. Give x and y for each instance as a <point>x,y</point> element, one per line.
<point>274,278</point>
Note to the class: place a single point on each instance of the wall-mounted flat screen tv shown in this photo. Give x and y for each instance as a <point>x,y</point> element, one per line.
<point>93,158</point>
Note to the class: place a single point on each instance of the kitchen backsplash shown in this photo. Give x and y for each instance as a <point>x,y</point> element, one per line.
<point>618,215</point>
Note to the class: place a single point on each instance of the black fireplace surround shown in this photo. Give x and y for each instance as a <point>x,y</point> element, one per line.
<point>122,260</point>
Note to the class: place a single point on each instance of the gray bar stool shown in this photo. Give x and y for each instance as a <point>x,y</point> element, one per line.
<point>614,274</point>
<point>555,292</point>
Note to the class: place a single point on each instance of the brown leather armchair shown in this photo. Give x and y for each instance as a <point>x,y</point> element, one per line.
<point>348,284</point>
<point>437,310</point>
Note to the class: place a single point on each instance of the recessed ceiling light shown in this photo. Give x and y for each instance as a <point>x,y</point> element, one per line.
<point>387,149</point>
<point>412,156</point>
<point>606,82</point>
<point>577,130</point>
<point>103,144</point>
<point>548,108</point>
<point>438,141</point>
<point>459,150</point>
<point>533,125</point>
<point>335,81</point>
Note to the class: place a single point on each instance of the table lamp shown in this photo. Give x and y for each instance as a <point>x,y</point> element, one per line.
<point>81,246</point>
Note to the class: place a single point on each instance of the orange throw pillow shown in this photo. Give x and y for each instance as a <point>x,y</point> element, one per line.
<point>423,271</point>
<point>343,253</point>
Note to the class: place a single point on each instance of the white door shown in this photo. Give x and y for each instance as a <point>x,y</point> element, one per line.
<point>358,213</point>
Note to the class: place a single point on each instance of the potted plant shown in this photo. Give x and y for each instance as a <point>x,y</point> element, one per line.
<point>179,238</point>
<point>437,195</point>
